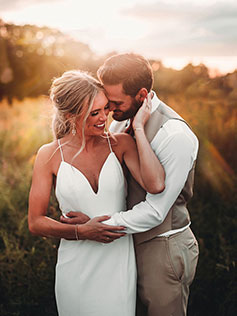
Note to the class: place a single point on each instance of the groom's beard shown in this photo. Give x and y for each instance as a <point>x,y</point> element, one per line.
<point>119,115</point>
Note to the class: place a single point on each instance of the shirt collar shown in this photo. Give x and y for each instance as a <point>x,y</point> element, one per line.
<point>155,101</point>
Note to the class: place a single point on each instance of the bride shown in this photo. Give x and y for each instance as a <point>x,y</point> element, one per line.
<point>86,167</point>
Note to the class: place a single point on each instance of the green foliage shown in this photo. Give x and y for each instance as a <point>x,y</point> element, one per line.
<point>214,223</point>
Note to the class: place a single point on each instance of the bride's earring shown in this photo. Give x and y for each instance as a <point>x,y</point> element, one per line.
<point>74,131</point>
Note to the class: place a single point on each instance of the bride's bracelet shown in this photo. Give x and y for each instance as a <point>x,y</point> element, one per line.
<point>138,129</point>
<point>76,232</point>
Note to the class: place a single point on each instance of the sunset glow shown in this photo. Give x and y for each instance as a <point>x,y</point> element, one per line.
<point>175,32</point>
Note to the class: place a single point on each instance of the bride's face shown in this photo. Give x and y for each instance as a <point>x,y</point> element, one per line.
<point>95,123</point>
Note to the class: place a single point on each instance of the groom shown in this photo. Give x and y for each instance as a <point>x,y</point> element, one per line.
<point>166,249</point>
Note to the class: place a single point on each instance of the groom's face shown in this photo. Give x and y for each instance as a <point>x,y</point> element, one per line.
<point>123,106</point>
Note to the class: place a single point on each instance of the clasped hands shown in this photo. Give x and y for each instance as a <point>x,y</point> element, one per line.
<point>94,229</point>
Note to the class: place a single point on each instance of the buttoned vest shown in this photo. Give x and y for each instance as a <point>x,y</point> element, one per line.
<point>178,215</point>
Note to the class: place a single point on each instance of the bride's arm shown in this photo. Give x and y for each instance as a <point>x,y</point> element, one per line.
<point>42,180</point>
<point>140,158</point>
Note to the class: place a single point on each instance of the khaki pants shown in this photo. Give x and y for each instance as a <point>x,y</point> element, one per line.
<point>166,267</point>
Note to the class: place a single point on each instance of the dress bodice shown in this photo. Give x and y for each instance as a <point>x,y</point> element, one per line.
<point>74,192</point>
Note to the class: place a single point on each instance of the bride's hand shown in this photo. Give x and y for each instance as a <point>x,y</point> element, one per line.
<point>143,113</point>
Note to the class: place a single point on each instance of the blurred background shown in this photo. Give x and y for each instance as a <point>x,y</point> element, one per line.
<point>192,48</point>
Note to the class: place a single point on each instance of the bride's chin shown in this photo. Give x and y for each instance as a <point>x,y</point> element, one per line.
<point>99,130</point>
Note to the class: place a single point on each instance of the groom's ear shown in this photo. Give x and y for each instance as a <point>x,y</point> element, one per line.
<point>141,95</point>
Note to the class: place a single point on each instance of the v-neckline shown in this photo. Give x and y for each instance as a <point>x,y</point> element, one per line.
<point>84,176</point>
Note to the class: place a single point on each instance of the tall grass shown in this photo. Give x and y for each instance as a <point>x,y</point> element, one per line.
<point>26,262</point>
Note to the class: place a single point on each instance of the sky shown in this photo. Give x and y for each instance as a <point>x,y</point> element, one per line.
<point>175,31</point>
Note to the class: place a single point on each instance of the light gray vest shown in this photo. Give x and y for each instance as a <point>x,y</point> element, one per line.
<point>178,215</point>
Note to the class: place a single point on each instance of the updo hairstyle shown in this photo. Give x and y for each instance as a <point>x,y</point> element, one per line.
<point>72,95</point>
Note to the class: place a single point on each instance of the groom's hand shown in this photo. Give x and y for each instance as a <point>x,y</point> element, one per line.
<point>75,218</point>
<point>97,231</point>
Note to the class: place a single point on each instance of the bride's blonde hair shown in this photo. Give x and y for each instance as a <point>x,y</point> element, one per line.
<point>72,95</point>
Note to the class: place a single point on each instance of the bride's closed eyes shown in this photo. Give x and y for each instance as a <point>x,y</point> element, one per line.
<point>96,112</point>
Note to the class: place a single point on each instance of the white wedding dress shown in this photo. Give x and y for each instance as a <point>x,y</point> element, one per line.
<point>92,278</point>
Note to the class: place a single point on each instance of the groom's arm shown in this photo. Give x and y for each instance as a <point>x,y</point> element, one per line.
<point>74,218</point>
<point>176,154</point>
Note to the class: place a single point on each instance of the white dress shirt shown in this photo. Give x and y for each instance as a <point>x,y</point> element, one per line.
<point>176,147</point>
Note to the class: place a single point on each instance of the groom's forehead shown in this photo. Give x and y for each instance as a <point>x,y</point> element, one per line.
<point>114,89</point>
<point>115,92</point>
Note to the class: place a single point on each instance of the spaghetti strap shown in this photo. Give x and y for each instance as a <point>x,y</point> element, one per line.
<point>110,147</point>
<point>61,151</point>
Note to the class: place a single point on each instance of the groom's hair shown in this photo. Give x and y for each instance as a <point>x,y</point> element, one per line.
<point>132,70</point>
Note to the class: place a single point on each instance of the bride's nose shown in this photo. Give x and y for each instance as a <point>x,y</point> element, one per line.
<point>103,116</point>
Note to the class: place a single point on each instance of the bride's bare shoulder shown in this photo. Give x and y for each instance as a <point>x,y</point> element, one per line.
<point>122,139</point>
<point>47,151</point>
